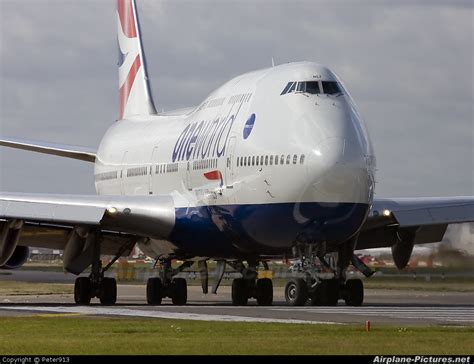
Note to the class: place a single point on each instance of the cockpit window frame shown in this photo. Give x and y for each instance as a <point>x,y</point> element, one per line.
<point>323,87</point>
<point>287,87</point>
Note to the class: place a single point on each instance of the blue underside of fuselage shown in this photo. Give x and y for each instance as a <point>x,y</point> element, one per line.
<point>231,231</point>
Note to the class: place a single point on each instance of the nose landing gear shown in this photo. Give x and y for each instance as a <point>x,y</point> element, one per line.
<point>321,287</point>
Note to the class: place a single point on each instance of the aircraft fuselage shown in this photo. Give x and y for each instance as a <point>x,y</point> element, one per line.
<point>259,165</point>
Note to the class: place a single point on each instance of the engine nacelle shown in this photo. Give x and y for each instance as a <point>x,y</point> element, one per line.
<point>18,258</point>
<point>78,250</point>
<point>9,237</point>
<point>402,249</point>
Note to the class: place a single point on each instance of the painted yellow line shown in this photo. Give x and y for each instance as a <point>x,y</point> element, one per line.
<point>57,314</point>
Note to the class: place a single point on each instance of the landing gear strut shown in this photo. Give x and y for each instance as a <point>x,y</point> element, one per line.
<point>165,285</point>
<point>96,285</point>
<point>321,289</point>
<point>249,286</point>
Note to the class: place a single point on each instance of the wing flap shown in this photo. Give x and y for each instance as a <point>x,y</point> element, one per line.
<point>61,150</point>
<point>56,237</point>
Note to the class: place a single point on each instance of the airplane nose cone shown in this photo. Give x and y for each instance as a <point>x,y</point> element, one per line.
<point>339,171</point>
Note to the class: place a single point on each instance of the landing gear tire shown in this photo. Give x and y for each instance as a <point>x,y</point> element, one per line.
<point>326,293</point>
<point>154,291</point>
<point>179,291</point>
<point>264,292</point>
<point>108,291</point>
<point>354,292</point>
<point>240,292</point>
<point>296,292</point>
<point>82,291</point>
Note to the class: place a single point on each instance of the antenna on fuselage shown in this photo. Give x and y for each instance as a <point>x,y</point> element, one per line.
<point>273,62</point>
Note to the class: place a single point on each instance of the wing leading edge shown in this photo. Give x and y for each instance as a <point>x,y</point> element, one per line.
<point>150,216</point>
<point>60,150</point>
<point>400,223</point>
<point>73,222</point>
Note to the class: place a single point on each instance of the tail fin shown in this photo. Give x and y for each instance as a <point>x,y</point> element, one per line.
<point>135,94</point>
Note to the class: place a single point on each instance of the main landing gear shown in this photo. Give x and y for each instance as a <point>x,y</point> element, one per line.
<point>321,290</point>
<point>165,285</point>
<point>249,286</point>
<point>97,285</point>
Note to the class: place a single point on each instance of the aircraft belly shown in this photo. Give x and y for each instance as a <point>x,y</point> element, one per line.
<point>260,229</point>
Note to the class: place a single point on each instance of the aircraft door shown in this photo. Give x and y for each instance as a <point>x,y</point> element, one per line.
<point>123,174</point>
<point>230,162</point>
<point>153,176</point>
<point>188,176</point>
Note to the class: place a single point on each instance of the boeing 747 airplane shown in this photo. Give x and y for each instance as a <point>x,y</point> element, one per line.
<point>274,164</point>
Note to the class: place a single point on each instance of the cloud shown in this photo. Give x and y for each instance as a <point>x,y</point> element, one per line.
<point>407,64</point>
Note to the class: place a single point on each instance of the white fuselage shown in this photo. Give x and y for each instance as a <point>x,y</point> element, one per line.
<point>246,144</point>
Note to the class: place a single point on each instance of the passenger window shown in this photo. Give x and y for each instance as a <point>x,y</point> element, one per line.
<point>276,160</point>
<point>295,159</point>
<point>282,159</point>
<point>331,87</point>
<point>266,160</point>
<point>253,160</point>
<point>261,160</point>
<point>288,159</point>
<point>256,160</point>
<point>271,160</point>
<point>302,159</point>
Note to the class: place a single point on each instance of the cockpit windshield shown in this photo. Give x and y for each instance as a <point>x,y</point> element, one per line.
<point>331,87</point>
<point>313,87</point>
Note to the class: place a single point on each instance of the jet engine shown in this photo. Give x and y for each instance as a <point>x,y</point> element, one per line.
<point>12,255</point>
<point>403,247</point>
<point>19,257</point>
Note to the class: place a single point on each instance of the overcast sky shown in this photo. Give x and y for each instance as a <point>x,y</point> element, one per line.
<point>408,65</point>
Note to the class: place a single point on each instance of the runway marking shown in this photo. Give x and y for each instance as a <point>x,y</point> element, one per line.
<point>84,310</point>
<point>441,314</point>
<point>57,314</point>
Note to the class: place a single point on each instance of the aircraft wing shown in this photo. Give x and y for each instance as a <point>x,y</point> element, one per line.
<point>62,150</point>
<point>413,220</point>
<point>63,221</point>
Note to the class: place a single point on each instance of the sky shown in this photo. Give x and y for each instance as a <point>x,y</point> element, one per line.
<point>407,64</point>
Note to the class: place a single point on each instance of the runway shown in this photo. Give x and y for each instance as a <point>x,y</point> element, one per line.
<point>405,308</point>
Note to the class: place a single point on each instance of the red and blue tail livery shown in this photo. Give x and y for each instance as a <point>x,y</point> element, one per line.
<point>134,91</point>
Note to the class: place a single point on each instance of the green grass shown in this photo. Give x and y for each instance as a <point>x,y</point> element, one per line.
<point>15,288</point>
<point>97,335</point>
